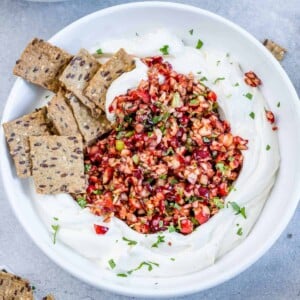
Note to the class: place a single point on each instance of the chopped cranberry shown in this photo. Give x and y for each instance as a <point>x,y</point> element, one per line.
<point>186,226</point>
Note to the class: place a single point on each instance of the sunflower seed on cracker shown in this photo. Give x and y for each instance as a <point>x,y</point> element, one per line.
<point>14,287</point>
<point>57,164</point>
<point>120,63</point>
<point>91,128</point>
<point>61,115</point>
<point>17,132</point>
<point>76,76</point>
<point>275,49</point>
<point>41,63</point>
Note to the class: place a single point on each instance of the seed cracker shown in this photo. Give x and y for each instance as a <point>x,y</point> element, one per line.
<point>61,115</point>
<point>275,49</point>
<point>96,90</point>
<point>91,128</point>
<point>57,164</point>
<point>17,132</point>
<point>41,63</point>
<point>76,76</point>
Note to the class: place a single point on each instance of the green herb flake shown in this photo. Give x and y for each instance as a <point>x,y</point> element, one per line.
<point>122,275</point>
<point>129,134</point>
<point>148,264</point>
<point>87,168</point>
<point>99,51</point>
<point>112,264</point>
<point>221,167</point>
<point>120,145</point>
<point>164,50</point>
<point>171,228</point>
<point>160,223</point>
<point>176,101</point>
<point>252,115</point>
<point>172,258</point>
<point>55,218</point>
<point>129,242</point>
<point>97,192</point>
<point>135,159</point>
<point>206,139</point>
<point>160,240</point>
<point>81,202</point>
<point>248,95</point>
<point>203,79</point>
<point>278,104</point>
<point>156,119</point>
<point>191,31</point>
<point>236,84</point>
<point>219,79</point>
<point>199,44</point>
<point>55,230</point>
<point>268,147</point>
<point>218,202</point>
<point>218,62</point>
<point>170,151</point>
<point>173,181</point>
<point>164,176</point>
<point>238,209</point>
<point>240,231</point>
<point>194,102</point>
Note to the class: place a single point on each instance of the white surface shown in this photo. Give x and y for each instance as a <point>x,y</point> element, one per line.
<point>266,230</point>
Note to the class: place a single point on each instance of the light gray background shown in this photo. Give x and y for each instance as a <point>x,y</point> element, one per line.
<point>276,275</point>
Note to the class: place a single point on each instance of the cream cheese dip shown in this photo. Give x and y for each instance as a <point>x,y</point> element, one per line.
<point>179,254</point>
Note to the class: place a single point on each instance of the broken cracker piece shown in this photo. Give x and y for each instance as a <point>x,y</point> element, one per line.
<point>275,49</point>
<point>96,90</point>
<point>91,128</point>
<point>61,116</point>
<point>76,76</point>
<point>17,132</point>
<point>14,287</point>
<point>41,63</point>
<point>57,164</point>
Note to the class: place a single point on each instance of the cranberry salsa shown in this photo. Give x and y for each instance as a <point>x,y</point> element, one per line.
<point>170,160</point>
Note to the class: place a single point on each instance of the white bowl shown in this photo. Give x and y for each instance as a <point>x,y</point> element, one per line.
<point>126,20</point>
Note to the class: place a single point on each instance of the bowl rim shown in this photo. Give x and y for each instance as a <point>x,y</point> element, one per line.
<point>235,270</point>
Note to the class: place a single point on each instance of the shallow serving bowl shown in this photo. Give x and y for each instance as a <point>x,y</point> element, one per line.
<point>124,21</point>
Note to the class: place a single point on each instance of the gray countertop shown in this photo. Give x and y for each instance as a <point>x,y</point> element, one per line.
<point>276,275</point>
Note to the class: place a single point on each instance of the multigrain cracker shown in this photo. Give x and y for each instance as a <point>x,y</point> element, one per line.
<point>14,287</point>
<point>41,63</point>
<point>275,49</point>
<point>61,115</point>
<point>76,76</point>
<point>90,127</point>
<point>57,164</point>
<point>96,90</point>
<point>17,132</point>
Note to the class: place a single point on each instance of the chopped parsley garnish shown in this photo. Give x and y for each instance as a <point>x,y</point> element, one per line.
<point>129,134</point>
<point>221,167</point>
<point>170,151</point>
<point>172,258</point>
<point>97,192</point>
<point>238,209</point>
<point>268,147</point>
<point>111,263</point>
<point>199,44</point>
<point>219,79</point>
<point>55,230</point>
<point>194,102</point>
<point>248,95</point>
<point>55,218</point>
<point>160,223</point>
<point>171,228</point>
<point>129,242</point>
<point>252,115</point>
<point>173,181</point>
<point>236,84</point>
<point>203,79</point>
<point>81,202</point>
<point>164,176</point>
<point>148,264</point>
<point>87,168</point>
<point>160,239</point>
<point>47,96</point>
<point>122,275</point>
<point>278,104</point>
<point>218,202</point>
<point>240,231</point>
<point>191,31</point>
<point>227,54</point>
<point>218,62</point>
<point>164,50</point>
<point>99,51</point>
